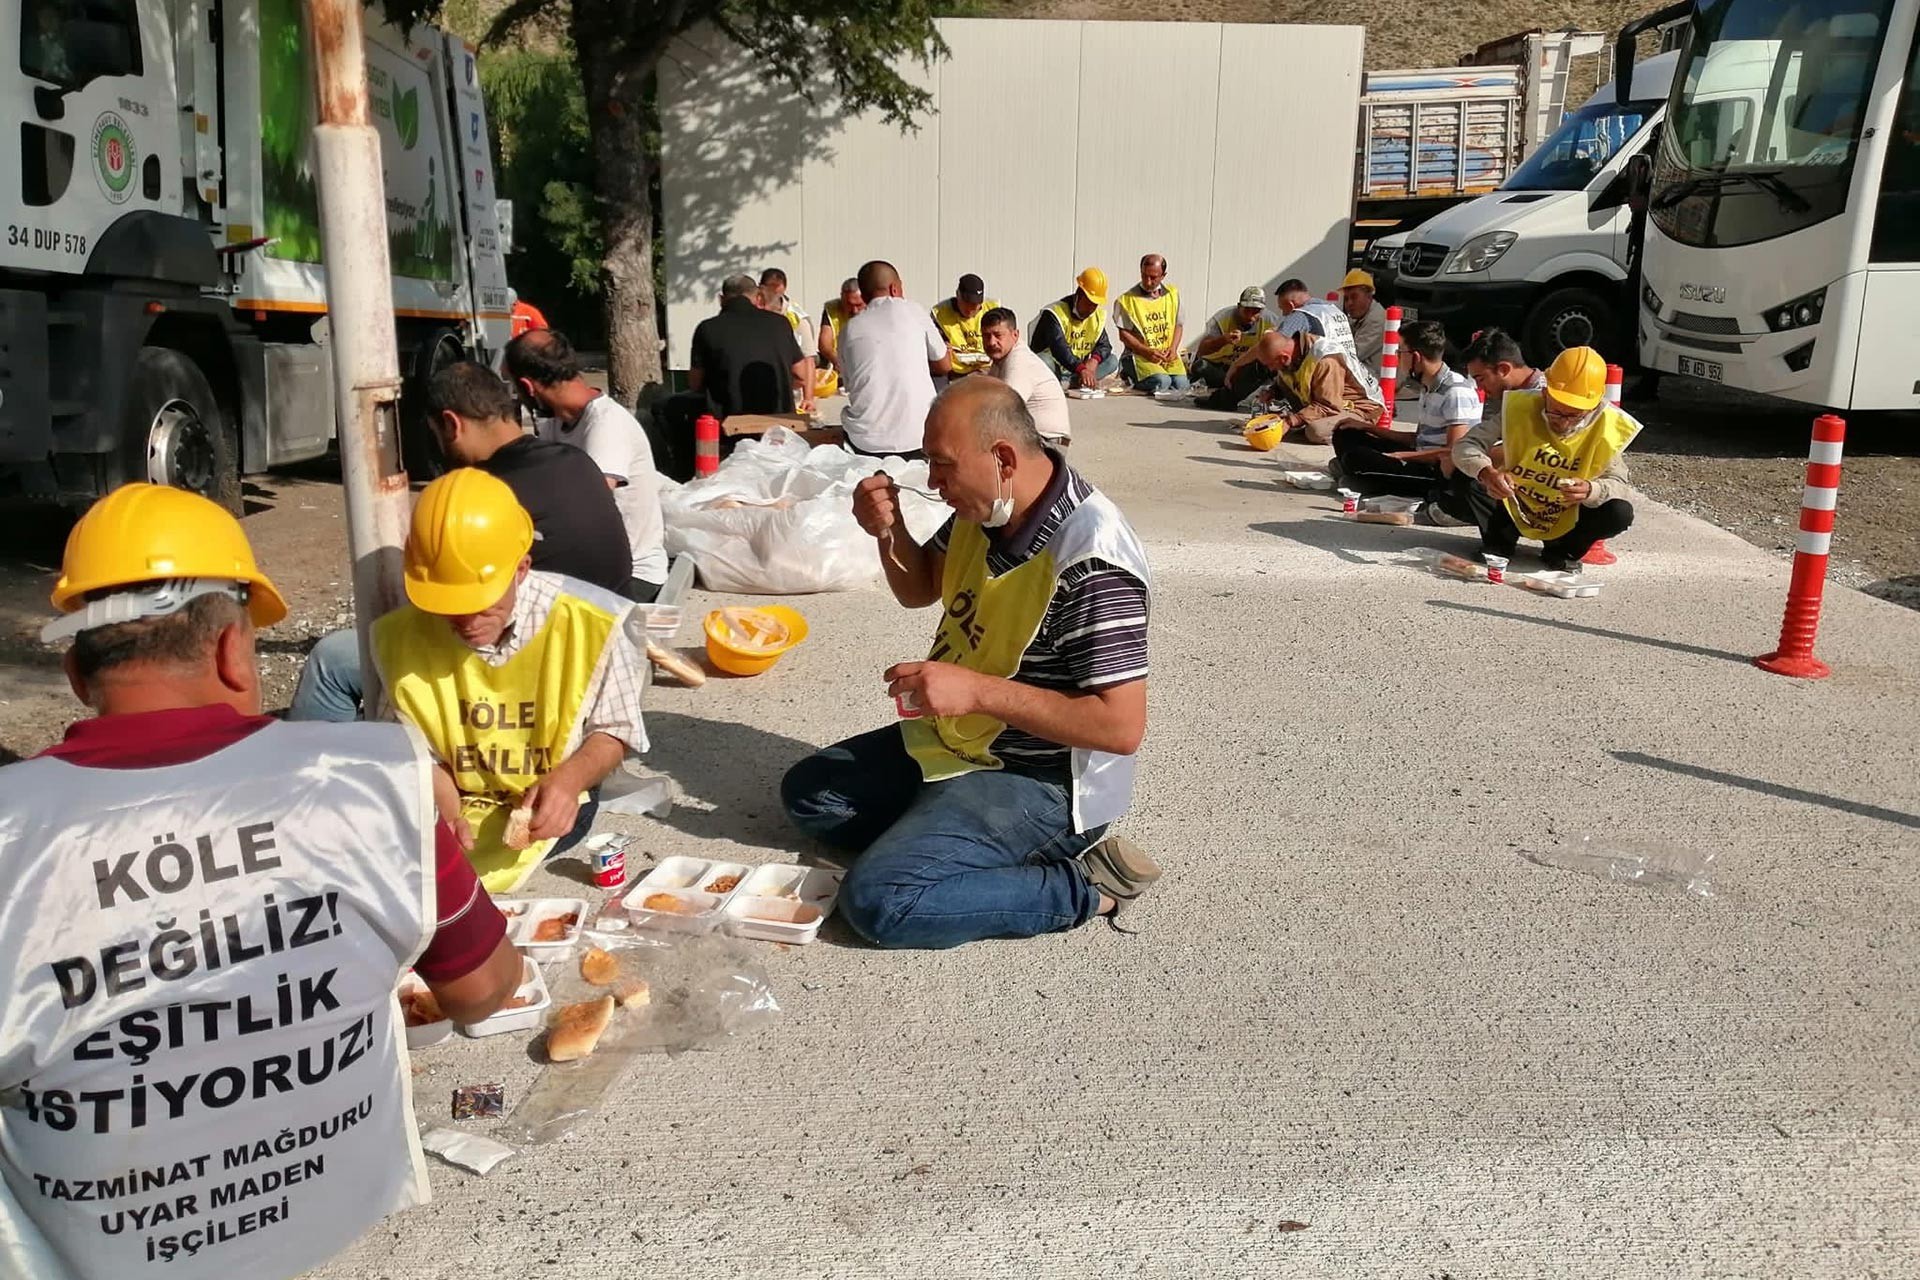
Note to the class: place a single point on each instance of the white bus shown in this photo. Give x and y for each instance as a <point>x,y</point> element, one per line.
<point>1782,250</point>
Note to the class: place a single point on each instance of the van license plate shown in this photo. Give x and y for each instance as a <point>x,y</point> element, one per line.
<point>1708,369</point>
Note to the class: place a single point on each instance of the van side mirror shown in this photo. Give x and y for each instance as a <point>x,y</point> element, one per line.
<point>1614,194</point>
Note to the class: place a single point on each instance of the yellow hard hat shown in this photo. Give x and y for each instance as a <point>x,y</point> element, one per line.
<point>1357,279</point>
<point>1093,283</point>
<point>1264,431</point>
<point>468,536</point>
<point>151,533</point>
<point>825,382</point>
<point>1578,378</point>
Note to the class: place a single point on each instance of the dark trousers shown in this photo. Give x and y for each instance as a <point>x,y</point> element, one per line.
<point>1243,384</point>
<point>1368,469</point>
<point>1499,535</point>
<point>640,591</point>
<point>670,432</point>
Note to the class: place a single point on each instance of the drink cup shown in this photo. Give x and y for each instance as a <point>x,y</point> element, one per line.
<point>1496,568</point>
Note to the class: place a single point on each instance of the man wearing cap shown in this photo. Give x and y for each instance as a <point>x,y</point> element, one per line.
<point>833,321</point>
<point>1150,322</point>
<point>1071,335</point>
<point>524,683</point>
<point>1322,379</point>
<point>1230,334</point>
<point>1365,316</point>
<point>1550,466</point>
<point>890,355</point>
<point>206,912</point>
<point>959,319</point>
<point>1016,365</point>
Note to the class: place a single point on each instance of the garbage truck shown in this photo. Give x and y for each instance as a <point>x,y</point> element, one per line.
<point>163,307</point>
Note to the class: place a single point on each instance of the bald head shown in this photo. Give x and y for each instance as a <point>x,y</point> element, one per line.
<point>995,412</point>
<point>1274,349</point>
<point>879,280</point>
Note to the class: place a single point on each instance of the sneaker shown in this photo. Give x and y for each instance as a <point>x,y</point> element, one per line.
<point>1431,514</point>
<point>1335,471</point>
<point>1119,868</point>
<point>1560,564</point>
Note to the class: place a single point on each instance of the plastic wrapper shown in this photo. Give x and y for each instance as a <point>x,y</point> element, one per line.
<point>467,1151</point>
<point>631,791</point>
<point>1445,564</point>
<point>703,990</point>
<point>1673,868</point>
<point>777,518</point>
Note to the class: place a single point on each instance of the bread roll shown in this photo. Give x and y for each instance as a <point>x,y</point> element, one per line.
<point>576,1029</point>
<point>687,673</point>
<point>599,967</point>
<point>633,993</point>
<point>519,828</point>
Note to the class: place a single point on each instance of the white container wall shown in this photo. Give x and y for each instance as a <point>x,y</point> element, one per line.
<point>1025,173</point>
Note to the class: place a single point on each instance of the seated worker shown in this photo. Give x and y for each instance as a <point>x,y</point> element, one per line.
<point>1496,365</point>
<point>1365,316</point>
<point>959,319</point>
<point>745,359</point>
<point>890,355</point>
<point>1150,323</point>
<point>524,683</point>
<point>1071,335</point>
<point>834,317</point>
<point>1230,334</point>
<point>1550,466</point>
<point>1324,381</point>
<point>1327,318</point>
<point>984,815</point>
<point>1022,370</point>
<point>773,297</point>
<point>178,802</point>
<point>581,533</point>
<point>546,373</point>
<point>1375,459</point>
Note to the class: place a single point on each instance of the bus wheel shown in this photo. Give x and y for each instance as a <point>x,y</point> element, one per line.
<point>175,432</point>
<point>1567,318</point>
<point>419,448</point>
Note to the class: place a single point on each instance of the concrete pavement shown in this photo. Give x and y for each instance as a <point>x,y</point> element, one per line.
<point>1351,1004</point>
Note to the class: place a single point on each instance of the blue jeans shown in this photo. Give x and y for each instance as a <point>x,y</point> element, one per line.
<point>1108,367</point>
<point>990,854</point>
<point>1158,381</point>
<point>330,685</point>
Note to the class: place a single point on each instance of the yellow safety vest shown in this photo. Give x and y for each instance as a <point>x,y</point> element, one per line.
<point>1080,334</point>
<point>963,334</point>
<point>1359,377</point>
<point>987,626</point>
<point>1240,338</point>
<point>836,316</point>
<point>1537,459</point>
<point>1153,319</point>
<point>500,729</point>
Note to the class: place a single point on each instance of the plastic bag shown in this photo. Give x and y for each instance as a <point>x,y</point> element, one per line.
<point>777,518</point>
<point>702,990</point>
<point>1635,862</point>
<point>629,790</point>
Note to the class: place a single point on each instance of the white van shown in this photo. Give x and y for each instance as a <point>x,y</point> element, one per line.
<point>1545,256</point>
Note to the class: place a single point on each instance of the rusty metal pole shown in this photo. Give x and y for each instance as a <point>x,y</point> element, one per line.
<point>366,362</point>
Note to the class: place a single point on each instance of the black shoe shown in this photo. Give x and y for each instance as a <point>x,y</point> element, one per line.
<point>1560,564</point>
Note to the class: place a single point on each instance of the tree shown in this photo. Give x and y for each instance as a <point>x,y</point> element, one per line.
<point>619,45</point>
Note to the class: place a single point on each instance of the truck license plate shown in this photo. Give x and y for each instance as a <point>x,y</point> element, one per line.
<point>1708,369</point>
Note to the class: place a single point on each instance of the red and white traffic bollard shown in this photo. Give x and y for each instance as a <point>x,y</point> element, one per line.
<point>1794,655</point>
<point>1598,553</point>
<point>1333,295</point>
<point>706,444</point>
<point>1390,365</point>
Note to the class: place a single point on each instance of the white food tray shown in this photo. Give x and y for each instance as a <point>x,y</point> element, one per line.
<point>525,914</point>
<point>1082,393</point>
<point>804,896</point>
<point>426,1034</point>
<point>684,880</point>
<point>1308,479</point>
<point>1568,586</point>
<point>533,989</point>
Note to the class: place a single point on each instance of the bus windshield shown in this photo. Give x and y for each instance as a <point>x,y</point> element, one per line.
<point>1580,147</point>
<point>1766,115</point>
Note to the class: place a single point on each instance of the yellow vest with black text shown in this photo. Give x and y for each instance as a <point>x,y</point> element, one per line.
<point>1300,380</point>
<point>1080,334</point>
<point>1240,338</point>
<point>987,625</point>
<point>963,335</point>
<point>1537,459</point>
<point>1153,319</point>
<point>499,729</point>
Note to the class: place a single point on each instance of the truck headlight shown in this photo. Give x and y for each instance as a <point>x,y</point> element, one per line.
<point>1649,299</point>
<point>1481,252</point>
<point>1798,314</point>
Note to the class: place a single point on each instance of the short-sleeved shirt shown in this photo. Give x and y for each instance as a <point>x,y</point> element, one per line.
<point>884,353</point>
<point>1040,387</point>
<point>618,445</point>
<point>1094,633</point>
<point>746,358</point>
<point>1450,401</point>
<point>469,926</point>
<point>576,524</point>
<point>1123,321</point>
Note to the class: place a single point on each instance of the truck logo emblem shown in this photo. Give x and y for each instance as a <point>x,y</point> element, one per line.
<point>115,157</point>
<point>1703,293</point>
<point>406,117</point>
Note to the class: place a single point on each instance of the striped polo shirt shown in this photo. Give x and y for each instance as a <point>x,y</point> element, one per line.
<point>1094,633</point>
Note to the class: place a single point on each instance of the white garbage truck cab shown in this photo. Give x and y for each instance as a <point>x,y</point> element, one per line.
<point>163,307</point>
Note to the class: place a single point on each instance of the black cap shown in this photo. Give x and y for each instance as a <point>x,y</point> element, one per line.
<point>971,287</point>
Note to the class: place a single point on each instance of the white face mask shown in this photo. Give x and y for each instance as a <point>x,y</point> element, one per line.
<point>1002,510</point>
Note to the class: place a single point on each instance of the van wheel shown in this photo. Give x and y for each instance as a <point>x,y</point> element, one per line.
<point>175,433</point>
<point>1568,318</point>
<point>419,448</point>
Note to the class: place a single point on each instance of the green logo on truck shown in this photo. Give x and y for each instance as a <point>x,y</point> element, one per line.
<point>406,117</point>
<point>114,157</point>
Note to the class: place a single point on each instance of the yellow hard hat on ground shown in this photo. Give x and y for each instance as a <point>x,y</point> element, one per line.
<point>468,536</point>
<point>1578,378</point>
<point>149,534</point>
<point>1357,279</point>
<point>1093,283</point>
<point>1265,431</point>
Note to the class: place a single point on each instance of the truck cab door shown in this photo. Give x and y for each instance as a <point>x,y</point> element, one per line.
<point>197,81</point>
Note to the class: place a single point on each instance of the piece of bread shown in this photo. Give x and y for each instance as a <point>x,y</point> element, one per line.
<point>599,967</point>
<point>687,673</point>
<point>576,1029</point>
<point>633,993</point>
<point>519,828</point>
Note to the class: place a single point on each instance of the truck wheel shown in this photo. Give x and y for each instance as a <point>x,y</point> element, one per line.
<point>175,432</point>
<point>1568,318</point>
<point>419,449</point>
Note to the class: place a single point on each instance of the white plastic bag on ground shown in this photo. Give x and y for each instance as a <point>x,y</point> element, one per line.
<point>777,518</point>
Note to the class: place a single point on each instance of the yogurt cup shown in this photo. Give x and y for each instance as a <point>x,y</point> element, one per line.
<point>1496,568</point>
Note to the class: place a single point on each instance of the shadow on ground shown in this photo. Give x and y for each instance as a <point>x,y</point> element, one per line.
<point>735,769</point>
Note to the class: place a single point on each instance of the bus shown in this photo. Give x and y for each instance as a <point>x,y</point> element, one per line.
<point>1782,241</point>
